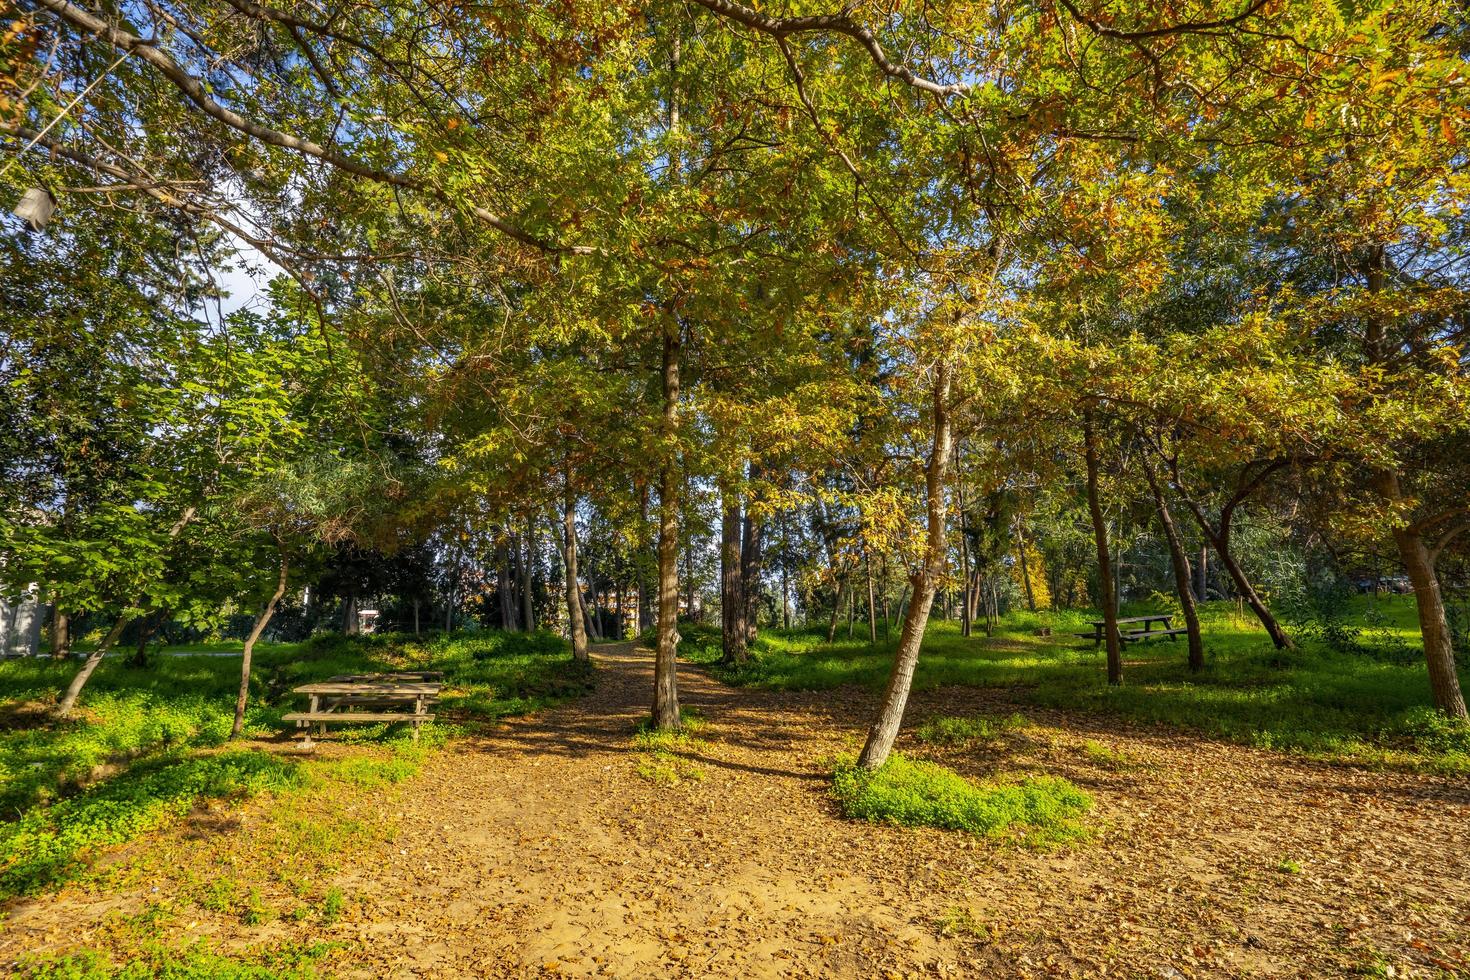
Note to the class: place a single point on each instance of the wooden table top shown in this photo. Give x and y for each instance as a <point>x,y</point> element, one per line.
<point>406,689</point>
<point>1162,618</point>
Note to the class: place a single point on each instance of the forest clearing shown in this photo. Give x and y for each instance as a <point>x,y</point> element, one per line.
<point>716,489</point>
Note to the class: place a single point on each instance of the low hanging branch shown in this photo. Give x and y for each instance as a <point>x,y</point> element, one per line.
<point>195,92</point>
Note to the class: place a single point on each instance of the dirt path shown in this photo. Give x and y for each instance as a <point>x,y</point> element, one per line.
<point>538,849</point>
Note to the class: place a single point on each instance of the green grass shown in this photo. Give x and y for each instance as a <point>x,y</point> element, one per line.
<point>1358,706</point>
<point>960,731</point>
<point>1039,810</point>
<point>153,959</point>
<point>143,750</point>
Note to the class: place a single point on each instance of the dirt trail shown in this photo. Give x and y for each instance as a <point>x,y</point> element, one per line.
<point>538,849</point>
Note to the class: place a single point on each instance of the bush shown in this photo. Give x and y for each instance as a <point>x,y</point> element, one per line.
<point>912,793</point>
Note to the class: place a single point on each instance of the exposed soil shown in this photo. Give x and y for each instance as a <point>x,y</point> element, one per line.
<point>538,849</point>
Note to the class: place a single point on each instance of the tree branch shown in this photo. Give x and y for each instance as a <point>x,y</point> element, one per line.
<point>195,92</point>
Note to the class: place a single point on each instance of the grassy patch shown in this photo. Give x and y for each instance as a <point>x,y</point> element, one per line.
<point>912,793</point>
<point>152,959</point>
<point>961,922</point>
<point>1316,700</point>
<point>951,730</point>
<point>141,753</point>
<point>1110,756</point>
<point>47,844</point>
<point>661,761</point>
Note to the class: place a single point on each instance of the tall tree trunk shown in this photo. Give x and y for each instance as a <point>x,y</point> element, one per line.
<point>1202,574</point>
<point>884,731</point>
<point>1418,561</point>
<point>837,602</point>
<point>750,571</point>
<point>851,602</point>
<point>732,592</point>
<point>575,623</point>
<point>1025,565</point>
<point>528,569</point>
<point>1220,541</point>
<point>147,629</point>
<point>1439,650</point>
<point>416,604</point>
<point>666,677</point>
<point>238,728</point>
<point>1104,554</point>
<point>967,609</point>
<point>505,589</point>
<point>60,634</point>
<point>68,700</point>
<point>1183,585</point>
<point>351,622</point>
<point>872,599</point>
<point>645,594</point>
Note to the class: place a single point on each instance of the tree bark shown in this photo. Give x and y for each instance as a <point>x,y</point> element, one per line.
<point>884,731</point>
<point>732,581</point>
<point>967,615</point>
<point>666,677</point>
<point>752,539</point>
<point>1183,583</point>
<point>872,599</point>
<point>528,575</point>
<point>1104,554</point>
<point>569,558</point>
<point>837,601</point>
<point>1202,574</point>
<point>351,624</point>
<point>1439,650</point>
<point>1220,541</point>
<point>73,690</point>
<point>60,634</point>
<point>1025,565</point>
<point>645,594</point>
<point>238,728</point>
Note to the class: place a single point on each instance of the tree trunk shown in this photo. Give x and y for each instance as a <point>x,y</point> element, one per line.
<point>1025,565</point>
<point>1182,578</point>
<point>416,604</point>
<point>1104,554</point>
<point>837,601</point>
<point>732,582</point>
<point>73,690</point>
<point>1220,540</point>
<point>884,731</point>
<point>872,599</point>
<point>1202,574</point>
<point>645,594</point>
<point>238,728</point>
<point>1439,650</point>
<point>351,624</point>
<point>666,676</point>
<point>60,634</point>
<point>569,557</point>
<point>750,573</point>
<point>528,569</point>
<point>967,613</point>
<point>147,629</point>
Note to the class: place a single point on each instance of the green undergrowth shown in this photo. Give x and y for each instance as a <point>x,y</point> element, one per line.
<point>1035,810</point>
<point>149,744</point>
<point>662,754</point>
<point>198,962</point>
<point>952,730</point>
<point>1318,701</point>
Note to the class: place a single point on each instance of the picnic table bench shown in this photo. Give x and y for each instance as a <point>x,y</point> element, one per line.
<point>402,696</point>
<point>1134,635</point>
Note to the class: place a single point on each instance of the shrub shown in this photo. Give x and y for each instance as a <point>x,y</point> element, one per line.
<point>912,793</point>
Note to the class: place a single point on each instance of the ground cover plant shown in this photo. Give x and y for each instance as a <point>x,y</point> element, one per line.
<point>151,744</point>
<point>1341,704</point>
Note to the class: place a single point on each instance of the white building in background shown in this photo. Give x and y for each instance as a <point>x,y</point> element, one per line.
<point>20,624</point>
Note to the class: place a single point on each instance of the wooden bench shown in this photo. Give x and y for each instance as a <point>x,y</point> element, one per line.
<point>1133,636</point>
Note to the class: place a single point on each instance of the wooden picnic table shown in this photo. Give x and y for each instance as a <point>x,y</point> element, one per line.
<point>1134,636</point>
<point>404,696</point>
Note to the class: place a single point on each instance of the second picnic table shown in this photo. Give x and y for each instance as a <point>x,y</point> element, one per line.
<point>1133,636</point>
<point>401,696</point>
